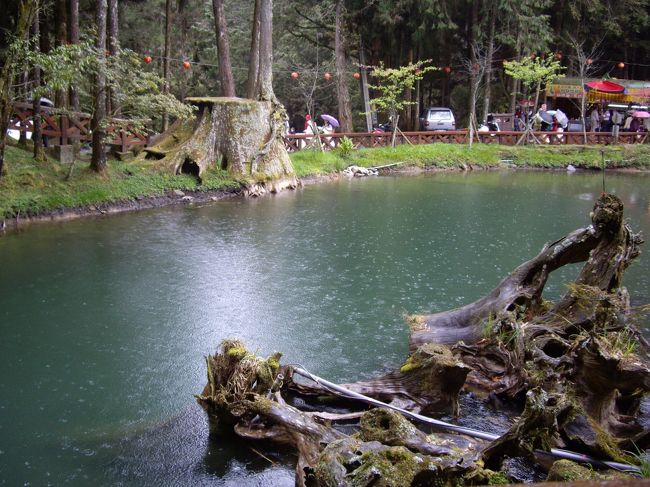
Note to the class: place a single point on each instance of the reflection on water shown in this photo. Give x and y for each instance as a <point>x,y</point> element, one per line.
<point>105,322</point>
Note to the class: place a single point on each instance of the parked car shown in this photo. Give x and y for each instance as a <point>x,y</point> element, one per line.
<point>437,118</point>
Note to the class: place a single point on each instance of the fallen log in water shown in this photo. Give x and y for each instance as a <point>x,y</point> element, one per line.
<point>579,366</point>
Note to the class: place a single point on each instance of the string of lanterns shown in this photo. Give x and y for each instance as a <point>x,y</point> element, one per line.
<point>447,70</point>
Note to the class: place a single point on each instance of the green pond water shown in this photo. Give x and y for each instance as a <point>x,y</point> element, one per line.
<point>104,322</point>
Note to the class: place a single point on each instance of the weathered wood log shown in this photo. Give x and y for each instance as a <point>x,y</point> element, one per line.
<point>243,392</point>
<point>243,136</point>
<point>535,430</point>
<point>429,383</point>
<point>607,245</point>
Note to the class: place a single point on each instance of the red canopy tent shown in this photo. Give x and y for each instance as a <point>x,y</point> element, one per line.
<point>605,86</point>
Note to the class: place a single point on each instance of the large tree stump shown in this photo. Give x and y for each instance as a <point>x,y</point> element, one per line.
<point>242,136</point>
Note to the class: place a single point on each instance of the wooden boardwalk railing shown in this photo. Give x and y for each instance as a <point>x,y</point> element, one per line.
<point>69,127</point>
<point>296,142</point>
<point>65,128</point>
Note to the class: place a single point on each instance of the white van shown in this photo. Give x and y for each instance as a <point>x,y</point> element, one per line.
<point>437,118</point>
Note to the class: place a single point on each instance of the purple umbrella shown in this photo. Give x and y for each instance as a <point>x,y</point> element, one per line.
<point>330,119</point>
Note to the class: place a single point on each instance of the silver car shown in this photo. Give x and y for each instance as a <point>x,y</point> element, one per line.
<point>437,118</point>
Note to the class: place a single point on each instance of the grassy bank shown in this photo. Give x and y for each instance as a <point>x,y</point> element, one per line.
<point>447,156</point>
<point>29,187</point>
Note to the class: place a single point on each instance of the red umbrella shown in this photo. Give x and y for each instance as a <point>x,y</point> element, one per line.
<point>605,86</point>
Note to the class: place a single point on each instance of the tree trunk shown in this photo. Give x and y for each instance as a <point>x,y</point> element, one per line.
<point>266,92</point>
<point>166,57</point>
<point>223,48</point>
<point>37,137</point>
<point>26,12</point>
<point>367,107</point>
<point>73,37</point>
<point>473,77</point>
<point>252,85</point>
<point>61,20</point>
<point>408,95</point>
<point>98,160</point>
<point>489,57</point>
<point>342,92</point>
<point>113,44</point>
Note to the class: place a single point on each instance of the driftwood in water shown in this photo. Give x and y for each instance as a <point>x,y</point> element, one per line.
<point>607,246</point>
<point>429,382</point>
<point>244,395</point>
<point>579,364</point>
<point>581,348</point>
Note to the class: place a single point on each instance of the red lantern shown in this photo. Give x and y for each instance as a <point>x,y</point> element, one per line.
<point>590,61</point>
<point>327,76</point>
<point>356,75</point>
<point>447,69</point>
<point>621,65</point>
<point>294,75</point>
<point>558,55</point>
<point>147,59</point>
<point>186,65</point>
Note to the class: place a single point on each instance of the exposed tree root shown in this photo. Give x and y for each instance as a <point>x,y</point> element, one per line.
<point>579,366</point>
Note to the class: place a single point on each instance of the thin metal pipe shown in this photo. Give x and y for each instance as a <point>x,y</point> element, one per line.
<point>556,452</point>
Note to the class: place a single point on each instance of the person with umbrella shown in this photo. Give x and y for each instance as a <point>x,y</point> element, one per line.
<point>544,118</point>
<point>328,127</point>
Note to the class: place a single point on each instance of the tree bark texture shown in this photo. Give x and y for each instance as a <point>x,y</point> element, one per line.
<point>342,92</point>
<point>252,84</point>
<point>37,137</point>
<point>166,57</point>
<point>488,61</point>
<point>473,77</point>
<point>244,135</point>
<point>265,79</point>
<point>223,49</point>
<point>73,37</point>
<point>112,45</point>
<point>61,20</point>
<point>26,12</point>
<point>98,159</point>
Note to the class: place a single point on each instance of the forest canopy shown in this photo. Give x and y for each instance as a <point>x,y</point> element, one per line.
<point>389,32</point>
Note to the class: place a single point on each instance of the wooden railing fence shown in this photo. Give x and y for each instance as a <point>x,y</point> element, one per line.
<point>62,128</point>
<point>296,142</point>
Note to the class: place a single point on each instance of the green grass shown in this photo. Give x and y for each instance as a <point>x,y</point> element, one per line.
<point>447,156</point>
<point>29,187</point>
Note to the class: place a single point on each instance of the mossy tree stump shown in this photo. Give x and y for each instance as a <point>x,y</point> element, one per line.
<point>243,136</point>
